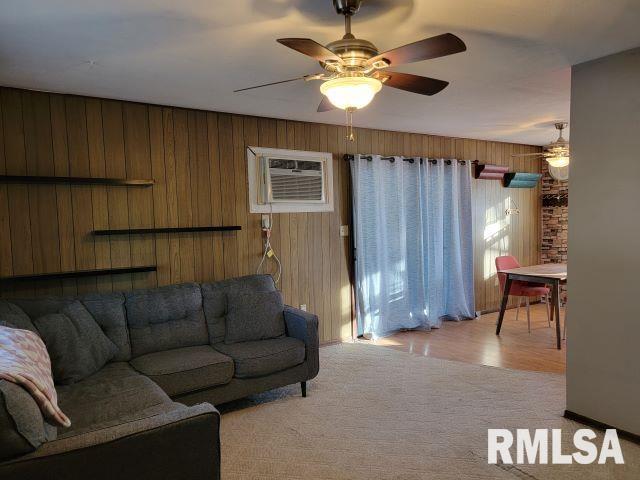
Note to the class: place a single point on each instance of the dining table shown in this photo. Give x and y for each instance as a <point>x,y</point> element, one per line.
<point>551,274</point>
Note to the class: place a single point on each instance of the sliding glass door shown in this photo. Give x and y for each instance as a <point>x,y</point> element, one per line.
<point>413,242</point>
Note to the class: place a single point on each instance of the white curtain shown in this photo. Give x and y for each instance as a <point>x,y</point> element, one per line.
<point>413,243</point>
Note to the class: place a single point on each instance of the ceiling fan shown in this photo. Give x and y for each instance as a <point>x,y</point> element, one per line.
<point>355,70</point>
<point>557,154</point>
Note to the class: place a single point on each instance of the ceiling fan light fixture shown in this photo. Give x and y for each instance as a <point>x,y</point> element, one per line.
<point>559,161</point>
<point>349,93</point>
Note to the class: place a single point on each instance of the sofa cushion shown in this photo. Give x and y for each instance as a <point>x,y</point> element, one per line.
<point>112,394</point>
<point>262,357</point>
<point>187,369</point>
<point>106,308</point>
<point>76,344</point>
<point>253,316</point>
<point>214,299</point>
<point>22,426</point>
<point>13,316</point>
<point>165,318</point>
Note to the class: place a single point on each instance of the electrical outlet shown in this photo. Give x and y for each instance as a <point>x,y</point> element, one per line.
<point>303,307</point>
<point>344,230</point>
<point>266,221</point>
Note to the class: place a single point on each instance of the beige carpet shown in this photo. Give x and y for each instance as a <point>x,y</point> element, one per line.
<point>377,413</point>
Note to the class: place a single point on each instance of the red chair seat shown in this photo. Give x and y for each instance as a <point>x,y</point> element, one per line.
<point>518,288</point>
<point>527,289</point>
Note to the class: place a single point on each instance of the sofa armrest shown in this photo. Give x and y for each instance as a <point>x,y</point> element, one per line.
<point>304,326</point>
<point>181,444</point>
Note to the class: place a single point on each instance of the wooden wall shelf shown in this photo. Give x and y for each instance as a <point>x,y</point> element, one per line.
<point>78,274</point>
<point>139,231</point>
<point>521,179</point>
<point>485,171</point>
<point>112,182</point>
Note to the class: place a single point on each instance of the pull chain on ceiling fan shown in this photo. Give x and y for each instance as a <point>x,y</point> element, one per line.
<point>355,71</point>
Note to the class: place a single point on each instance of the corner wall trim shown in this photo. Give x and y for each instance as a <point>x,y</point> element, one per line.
<point>569,415</point>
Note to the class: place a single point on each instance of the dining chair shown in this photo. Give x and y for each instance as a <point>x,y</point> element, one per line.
<point>521,289</point>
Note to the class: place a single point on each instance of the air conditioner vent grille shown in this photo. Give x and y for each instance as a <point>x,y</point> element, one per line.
<point>292,187</point>
<point>287,164</point>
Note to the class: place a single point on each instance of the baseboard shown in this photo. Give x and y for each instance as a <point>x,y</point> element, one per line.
<point>632,437</point>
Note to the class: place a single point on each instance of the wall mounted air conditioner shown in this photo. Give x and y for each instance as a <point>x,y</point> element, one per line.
<point>289,180</point>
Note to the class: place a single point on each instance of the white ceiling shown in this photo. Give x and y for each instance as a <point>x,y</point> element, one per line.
<point>510,85</point>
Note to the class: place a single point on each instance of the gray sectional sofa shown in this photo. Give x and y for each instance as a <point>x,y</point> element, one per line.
<point>148,413</point>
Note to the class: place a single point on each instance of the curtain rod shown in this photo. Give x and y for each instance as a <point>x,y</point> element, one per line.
<point>392,159</point>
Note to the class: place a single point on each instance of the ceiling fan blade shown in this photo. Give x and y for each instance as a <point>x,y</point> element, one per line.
<point>539,154</point>
<point>413,83</point>
<point>269,84</point>
<point>325,105</point>
<point>310,48</point>
<point>434,47</point>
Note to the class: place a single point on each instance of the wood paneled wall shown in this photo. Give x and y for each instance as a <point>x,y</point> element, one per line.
<point>198,160</point>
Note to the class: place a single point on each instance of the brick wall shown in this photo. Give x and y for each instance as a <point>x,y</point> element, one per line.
<point>555,221</point>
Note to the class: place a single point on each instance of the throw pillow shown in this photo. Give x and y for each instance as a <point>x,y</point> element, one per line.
<point>24,361</point>
<point>254,316</point>
<point>12,316</point>
<point>77,345</point>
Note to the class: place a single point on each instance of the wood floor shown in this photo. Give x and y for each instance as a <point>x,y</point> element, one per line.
<point>475,341</point>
